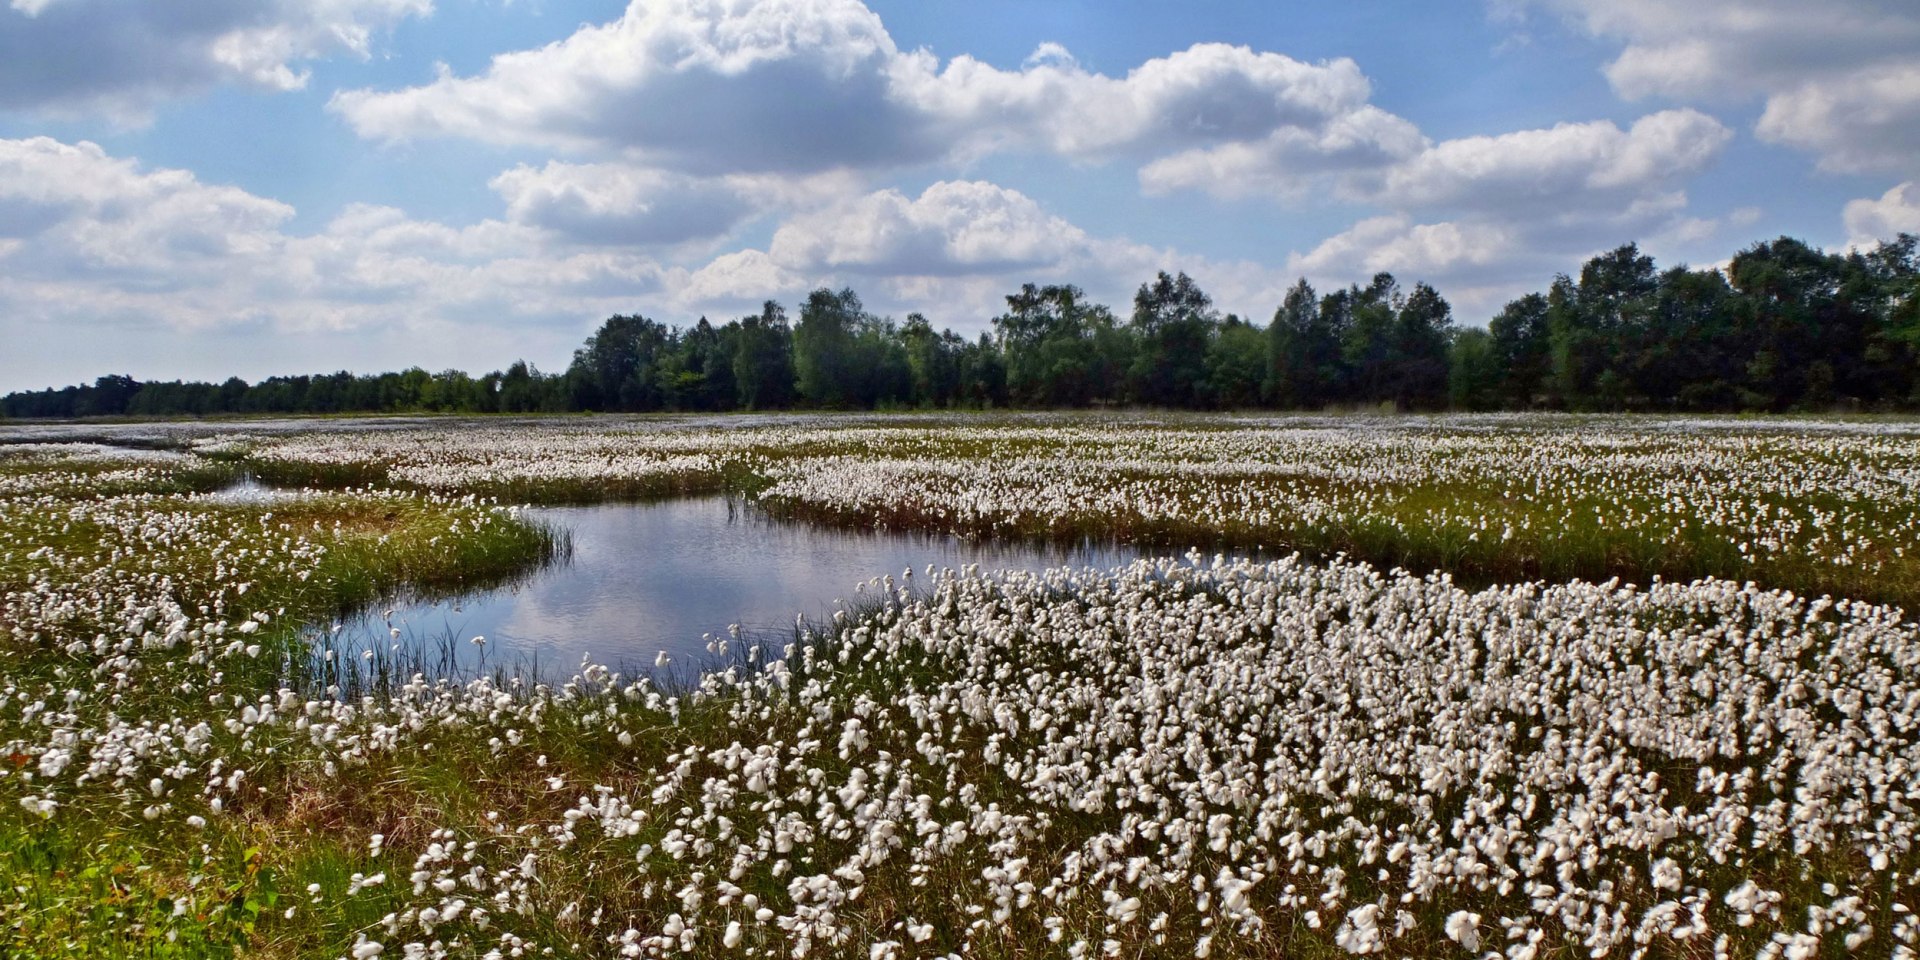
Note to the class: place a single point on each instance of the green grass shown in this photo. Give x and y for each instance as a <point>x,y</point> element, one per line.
<point>104,883</point>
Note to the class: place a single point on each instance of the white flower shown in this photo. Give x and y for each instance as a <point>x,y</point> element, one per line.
<point>1463,928</point>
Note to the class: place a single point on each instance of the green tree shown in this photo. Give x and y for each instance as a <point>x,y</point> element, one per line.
<point>614,369</point>
<point>1368,347</point>
<point>932,363</point>
<point>1422,329</point>
<point>1304,369</point>
<point>763,360</point>
<point>1589,325</point>
<point>1522,350</point>
<point>1236,364</point>
<point>1175,324</point>
<point>1060,349</point>
<point>1474,375</point>
<point>824,363</point>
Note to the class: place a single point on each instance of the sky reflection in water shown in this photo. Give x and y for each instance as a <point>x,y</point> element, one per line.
<point>647,578</point>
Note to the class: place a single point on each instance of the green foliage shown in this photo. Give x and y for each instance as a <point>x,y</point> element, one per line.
<point>91,892</point>
<point>1785,327</point>
<point>1173,321</point>
<point>1473,377</point>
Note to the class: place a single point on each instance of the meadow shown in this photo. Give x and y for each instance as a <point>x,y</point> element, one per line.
<point>1520,686</point>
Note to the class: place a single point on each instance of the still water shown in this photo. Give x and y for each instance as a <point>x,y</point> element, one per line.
<point>644,579</point>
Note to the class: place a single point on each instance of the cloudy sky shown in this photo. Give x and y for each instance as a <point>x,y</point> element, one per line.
<point>200,188</point>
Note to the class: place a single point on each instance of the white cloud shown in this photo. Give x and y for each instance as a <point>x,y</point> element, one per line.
<point>1897,211</point>
<point>685,84</point>
<point>1840,78</point>
<point>99,240</point>
<point>1569,165</point>
<point>1864,121</point>
<point>620,204</point>
<point>88,214</point>
<point>957,248</point>
<point>954,252</point>
<point>1481,258</point>
<point>122,59</point>
<point>1208,94</point>
<point>1592,165</point>
<point>953,227</point>
<point>1291,160</point>
<point>1486,217</point>
<point>96,242</point>
<point>1396,244</point>
<point>809,85</point>
<point>741,279</point>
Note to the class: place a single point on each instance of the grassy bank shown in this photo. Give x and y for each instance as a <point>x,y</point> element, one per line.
<point>133,604</point>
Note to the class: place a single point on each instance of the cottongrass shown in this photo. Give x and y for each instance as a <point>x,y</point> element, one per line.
<point>1188,757</point>
<point>1819,506</point>
<point>1203,756</point>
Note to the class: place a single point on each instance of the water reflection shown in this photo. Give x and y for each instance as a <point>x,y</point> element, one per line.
<point>651,578</point>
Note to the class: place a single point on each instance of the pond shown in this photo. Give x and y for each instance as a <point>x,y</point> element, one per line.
<point>658,578</point>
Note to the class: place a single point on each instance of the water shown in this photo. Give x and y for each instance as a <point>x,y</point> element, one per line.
<point>646,579</point>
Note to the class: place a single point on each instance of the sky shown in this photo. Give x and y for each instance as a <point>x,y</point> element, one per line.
<point>205,188</point>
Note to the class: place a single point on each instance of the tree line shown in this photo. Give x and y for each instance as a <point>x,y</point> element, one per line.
<point>1784,326</point>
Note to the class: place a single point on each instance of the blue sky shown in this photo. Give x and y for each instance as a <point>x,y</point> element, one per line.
<point>198,188</point>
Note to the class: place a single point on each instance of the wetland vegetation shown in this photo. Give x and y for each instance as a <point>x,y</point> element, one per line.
<point>1537,686</point>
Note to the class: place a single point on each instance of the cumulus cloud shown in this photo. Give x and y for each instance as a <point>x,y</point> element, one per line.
<point>954,252</point>
<point>1480,261</point>
<point>1894,212</point>
<point>1569,165</point>
<point>95,241</point>
<point>84,56</point>
<point>947,249</point>
<point>1290,160</point>
<point>953,227</point>
<point>1840,79</point>
<point>742,278</point>
<point>1396,244</point>
<point>87,214</point>
<point>808,85</point>
<point>686,84</point>
<point>99,239</point>
<point>620,204</point>
<point>1865,121</point>
<point>1484,216</point>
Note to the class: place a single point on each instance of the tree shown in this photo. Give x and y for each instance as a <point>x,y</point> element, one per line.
<point>932,366</point>
<point>983,375</point>
<point>1521,350</point>
<point>1303,353</point>
<point>1474,376</point>
<point>763,360</point>
<point>1422,330</point>
<point>1589,323</point>
<point>1368,341</point>
<point>1889,359</point>
<point>1060,350</point>
<point>1236,364</point>
<point>1689,355</point>
<point>823,348</point>
<point>1175,323</point>
<point>614,369</point>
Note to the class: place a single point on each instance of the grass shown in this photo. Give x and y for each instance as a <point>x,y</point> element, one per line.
<point>111,885</point>
<point>1552,499</point>
<point>105,883</point>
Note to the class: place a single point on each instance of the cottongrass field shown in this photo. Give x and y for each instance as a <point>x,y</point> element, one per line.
<point>1518,687</point>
